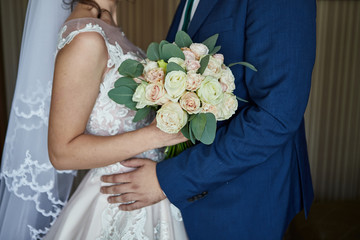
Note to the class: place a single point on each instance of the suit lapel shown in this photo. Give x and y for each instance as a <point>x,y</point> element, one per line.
<point>202,11</point>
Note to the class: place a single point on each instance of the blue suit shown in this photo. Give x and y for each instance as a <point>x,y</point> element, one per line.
<point>255,177</point>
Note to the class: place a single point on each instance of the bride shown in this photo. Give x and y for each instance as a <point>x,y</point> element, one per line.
<point>88,130</point>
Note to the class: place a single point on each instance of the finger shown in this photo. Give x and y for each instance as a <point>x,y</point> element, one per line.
<point>132,206</point>
<point>134,163</point>
<point>116,189</point>
<point>126,198</point>
<point>116,178</point>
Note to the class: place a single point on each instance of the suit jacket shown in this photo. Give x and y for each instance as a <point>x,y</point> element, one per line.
<point>255,177</point>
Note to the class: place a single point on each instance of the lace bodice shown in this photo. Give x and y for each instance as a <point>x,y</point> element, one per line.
<point>107,117</point>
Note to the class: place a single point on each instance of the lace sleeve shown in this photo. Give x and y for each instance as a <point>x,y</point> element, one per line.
<point>70,31</point>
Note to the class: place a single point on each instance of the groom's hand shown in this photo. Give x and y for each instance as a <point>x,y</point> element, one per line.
<point>136,189</point>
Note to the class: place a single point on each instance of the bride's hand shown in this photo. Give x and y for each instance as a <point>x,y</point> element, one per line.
<point>163,139</point>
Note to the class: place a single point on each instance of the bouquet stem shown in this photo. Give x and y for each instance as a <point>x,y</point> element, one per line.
<point>175,150</point>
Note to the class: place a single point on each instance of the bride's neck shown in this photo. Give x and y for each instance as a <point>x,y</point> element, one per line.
<point>110,6</point>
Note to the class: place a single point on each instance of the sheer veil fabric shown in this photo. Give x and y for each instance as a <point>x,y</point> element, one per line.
<point>32,192</point>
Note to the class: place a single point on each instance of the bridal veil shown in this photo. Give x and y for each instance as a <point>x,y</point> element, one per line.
<point>32,192</point>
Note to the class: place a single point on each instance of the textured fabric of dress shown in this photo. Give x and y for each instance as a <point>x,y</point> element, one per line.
<point>88,215</point>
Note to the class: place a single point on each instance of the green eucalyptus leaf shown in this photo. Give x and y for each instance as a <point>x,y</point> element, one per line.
<point>192,137</point>
<point>131,105</point>
<point>162,43</point>
<point>171,50</point>
<point>241,99</point>
<point>141,114</point>
<point>182,39</point>
<point>203,64</point>
<point>131,68</point>
<point>191,117</point>
<point>185,131</point>
<point>215,50</point>
<point>153,53</point>
<point>123,95</point>
<point>246,64</point>
<point>211,42</point>
<point>209,133</point>
<point>126,81</point>
<point>197,125</point>
<point>174,67</point>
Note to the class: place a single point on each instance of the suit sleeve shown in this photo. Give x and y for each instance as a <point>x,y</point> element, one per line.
<point>280,42</point>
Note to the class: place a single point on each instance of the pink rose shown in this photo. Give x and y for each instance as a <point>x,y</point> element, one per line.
<point>190,102</point>
<point>155,93</point>
<point>189,55</point>
<point>192,65</point>
<point>193,81</point>
<point>155,75</point>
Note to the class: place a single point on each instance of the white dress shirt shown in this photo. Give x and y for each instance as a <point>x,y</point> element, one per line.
<point>195,4</point>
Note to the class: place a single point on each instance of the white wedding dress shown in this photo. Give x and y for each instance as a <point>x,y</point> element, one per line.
<point>88,215</point>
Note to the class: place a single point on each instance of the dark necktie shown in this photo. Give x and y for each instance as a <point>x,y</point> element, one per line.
<point>187,15</point>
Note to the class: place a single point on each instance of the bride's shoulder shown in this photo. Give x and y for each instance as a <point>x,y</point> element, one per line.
<point>89,28</point>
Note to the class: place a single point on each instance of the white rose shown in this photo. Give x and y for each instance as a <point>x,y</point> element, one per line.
<point>190,102</point>
<point>156,94</point>
<point>213,68</point>
<point>193,81</point>
<point>199,49</point>
<point>178,61</point>
<point>210,91</point>
<point>171,118</point>
<point>227,107</point>
<point>140,96</point>
<point>175,84</point>
<point>227,80</point>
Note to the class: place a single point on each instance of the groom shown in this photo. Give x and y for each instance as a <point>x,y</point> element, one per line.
<point>255,177</point>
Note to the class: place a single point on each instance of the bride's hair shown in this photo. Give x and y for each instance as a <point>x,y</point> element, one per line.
<point>91,3</point>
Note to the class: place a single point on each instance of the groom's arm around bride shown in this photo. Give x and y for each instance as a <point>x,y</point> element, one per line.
<point>255,177</point>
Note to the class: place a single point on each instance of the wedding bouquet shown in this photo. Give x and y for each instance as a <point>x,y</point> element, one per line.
<point>186,83</point>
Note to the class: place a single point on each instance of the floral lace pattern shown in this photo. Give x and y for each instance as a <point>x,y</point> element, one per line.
<point>29,117</point>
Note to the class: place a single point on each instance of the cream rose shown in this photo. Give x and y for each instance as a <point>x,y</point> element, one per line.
<point>210,91</point>
<point>193,81</point>
<point>227,80</point>
<point>199,50</point>
<point>190,102</point>
<point>208,108</point>
<point>213,68</point>
<point>178,61</point>
<point>219,57</point>
<point>175,84</point>
<point>155,75</point>
<point>227,107</point>
<point>156,94</point>
<point>171,118</point>
<point>140,96</point>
